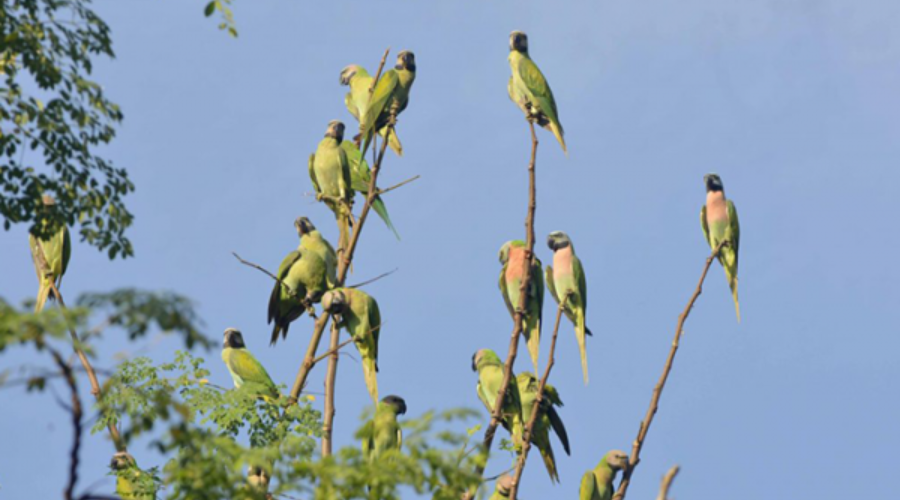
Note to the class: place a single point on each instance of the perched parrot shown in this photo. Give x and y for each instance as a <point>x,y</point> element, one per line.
<point>547,418</point>
<point>312,240</point>
<point>357,101</point>
<point>243,366</point>
<point>719,220</point>
<point>360,176</point>
<point>390,97</point>
<point>129,478</point>
<point>258,478</point>
<point>383,432</point>
<point>360,316</point>
<point>51,258</point>
<point>529,89</point>
<point>490,378</point>
<point>566,277</point>
<point>307,276</point>
<point>598,483</point>
<point>512,256</point>
<point>502,488</point>
<point>329,171</point>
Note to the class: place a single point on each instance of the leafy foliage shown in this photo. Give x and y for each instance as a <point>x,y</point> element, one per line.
<point>224,8</point>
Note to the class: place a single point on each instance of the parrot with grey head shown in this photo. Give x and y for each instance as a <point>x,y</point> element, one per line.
<point>360,316</point>
<point>307,276</point>
<point>357,101</point>
<point>566,278</point>
<point>547,419</point>
<point>597,484</point>
<point>244,367</point>
<point>719,221</point>
<point>50,255</point>
<point>512,256</point>
<point>490,378</point>
<point>529,89</point>
<point>312,240</point>
<point>131,482</point>
<point>383,432</point>
<point>360,177</point>
<point>329,171</point>
<point>390,97</point>
<point>502,488</point>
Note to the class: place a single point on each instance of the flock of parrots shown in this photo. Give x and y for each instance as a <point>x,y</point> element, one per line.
<point>308,275</point>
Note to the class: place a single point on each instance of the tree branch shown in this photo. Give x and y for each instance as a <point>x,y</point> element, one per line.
<point>77,413</point>
<point>660,385</point>
<point>373,280</point>
<point>330,377</point>
<point>667,483</point>
<point>266,272</point>
<point>395,186</point>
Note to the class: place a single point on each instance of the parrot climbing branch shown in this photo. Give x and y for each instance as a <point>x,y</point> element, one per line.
<point>667,483</point>
<point>535,408</point>
<point>657,391</point>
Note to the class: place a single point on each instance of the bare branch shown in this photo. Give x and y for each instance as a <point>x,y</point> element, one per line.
<point>660,385</point>
<point>266,272</point>
<point>329,352</point>
<point>395,186</point>
<point>77,413</point>
<point>373,280</point>
<point>378,73</point>
<point>330,377</point>
<point>667,483</point>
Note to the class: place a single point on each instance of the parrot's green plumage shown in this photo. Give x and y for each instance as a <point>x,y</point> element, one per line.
<point>490,378</point>
<point>329,171</point>
<point>529,89</point>
<point>390,97</point>
<point>547,419</point>
<point>360,316</point>
<point>719,221</point>
<point>244,367</point>
<point>512,256</point>
<point>566,277</point>
<point>597,484</point>
<point>51,258</point>
<point>312,240</point>
<point>131,482</point>
<point>357,101</point>
<point>307,276</point>
<point>383,432</point>
<point>502,488</point>
<point>360,177</point>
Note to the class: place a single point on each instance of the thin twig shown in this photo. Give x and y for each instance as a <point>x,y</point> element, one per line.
<point>266,272</point>
<point>331,351</point>
<point>373,280</point>
<point>535,407</point>
<point>378,73</point>
<point>395,186</point>
<point>330,377</point>
<point>657,391</point>
<point>77,413</point>
<point>667,483</point>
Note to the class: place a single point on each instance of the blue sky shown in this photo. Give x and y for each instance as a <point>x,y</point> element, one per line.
<point>794,103</point>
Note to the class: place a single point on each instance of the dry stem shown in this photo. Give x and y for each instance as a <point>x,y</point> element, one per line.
<point>667,483</point>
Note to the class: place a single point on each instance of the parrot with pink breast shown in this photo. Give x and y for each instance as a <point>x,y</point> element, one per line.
<point>566,278</point>
<point>719,220</point>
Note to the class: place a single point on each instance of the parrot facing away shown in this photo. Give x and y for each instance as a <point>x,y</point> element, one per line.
<point>360,177</point>
<point>490,378</point>
<point>390,97</point>
<point>244,367</point>
<point>719,220</point>
<point>307,276</point>
<point>502,488</point>
<point>129,478</point>
<point>598,483</point>
<point>547,418</point>
<point>329,171</point>
<point>383,432</point>
<point>566,277</point>
<point>360,316</point>
<point>357,101</point>
<point>312,240</point>
<point>512,256</point>
<point>529,89</point>
<point>51,258</point>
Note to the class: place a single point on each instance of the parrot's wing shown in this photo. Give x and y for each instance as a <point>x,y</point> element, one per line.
<point>359,169</point>
<point>581,280</point>
<point>375,325</point>
<point>283,271</point>
<point>378,103</point>
<point>249,369</point>
<point>36,257</point>
<point>548,275</point>
<point>552,395</point>
<point>351,105</point>
<point>587,486</point>
<point>484,398</point>
<point>67,253</point>
<point>505,292</point>
<point>704,225</point>
<point>346,179</point>
<point>537,277</point>
<point>735,228</point>
<point>559,428</point>
<point>312,173</point>
<point>533,78</point>
<point>367,432</point>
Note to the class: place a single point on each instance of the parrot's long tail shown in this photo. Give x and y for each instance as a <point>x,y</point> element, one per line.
<point>45,292</point>
<point>369,371</point>
<point>532,332</point>
<point>381,210</point>
<point>557,132</point>
<point>733,284</point>
<point>549,461</point>
<point>580,332</point>
<point>393,140</point>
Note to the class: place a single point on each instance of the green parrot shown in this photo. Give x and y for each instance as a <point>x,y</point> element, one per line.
<point>243,366</point>
<point>131,482</point>
<point>719,220</point>
<point>357,101</point>
<point>566,276</point>
<point>360,316</point>
<point>307,276</point>
<point>360,176</point>
<point>329,171</point>
<point>598,483</point>
<point>312,240</point>
<point>512,256</point>
<point>390,97</point>
<point>383,432</point>
<point>490,378</point>
<point>547,418</point>
<point>502,488</point>
<point>51,258</point>
<point>529,89</point>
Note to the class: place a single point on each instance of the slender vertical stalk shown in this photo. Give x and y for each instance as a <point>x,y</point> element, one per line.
<point>330,378</point>
<point>667,483</point>
<point>77,428</point>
